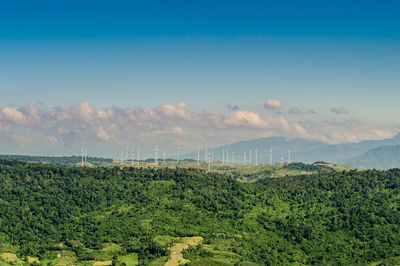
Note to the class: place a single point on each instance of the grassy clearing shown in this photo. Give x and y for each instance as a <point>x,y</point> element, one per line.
<point>85,263</point>
<point>176,257</point>
<point>32,260</point>
<point>207,262</point>
<point>11,258</point>
<point>159,261</point>
<point>8,248</point>
<point>391,261</point>
<point>129,260</point>
<point>108,251</point>
<point>64,261</point>
<point>111,248</point>
<point>106,262</point>
<point>216,252</point>
<point>164,240</point>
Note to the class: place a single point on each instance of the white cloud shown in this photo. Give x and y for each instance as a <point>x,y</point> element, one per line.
<point>177,131</point>
<point>13,115</point>
<point>272,104</point>
<point>174,124</point>
<point>245,119</point>
<point>102,134</point>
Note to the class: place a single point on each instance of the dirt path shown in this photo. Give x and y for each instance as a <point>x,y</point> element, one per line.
<point>176,250</point>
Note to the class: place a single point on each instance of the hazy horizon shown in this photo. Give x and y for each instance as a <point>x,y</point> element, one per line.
<point>188,74</point>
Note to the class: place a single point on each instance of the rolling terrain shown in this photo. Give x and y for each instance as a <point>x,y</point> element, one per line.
<point>56,214</point>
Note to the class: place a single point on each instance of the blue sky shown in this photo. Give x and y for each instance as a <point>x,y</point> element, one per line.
<point>309,55</point>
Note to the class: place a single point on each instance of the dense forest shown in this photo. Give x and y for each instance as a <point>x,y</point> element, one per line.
<point>336,218</point>
<point>315,167</point>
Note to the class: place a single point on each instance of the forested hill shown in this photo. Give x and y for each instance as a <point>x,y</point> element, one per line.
<point>97,214</point>
<point>64,160</point>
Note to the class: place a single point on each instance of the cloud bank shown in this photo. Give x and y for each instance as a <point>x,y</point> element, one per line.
<point>172,124</point>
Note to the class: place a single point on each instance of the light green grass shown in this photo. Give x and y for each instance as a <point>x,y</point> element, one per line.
<point>111,248</point>
<point>32,260</point>
<point>67,253</point>
<point>85,263</point>
<point>387,262</point>
<point>130,259</point>
<point>164,240</point>
<point>159,261</point>
<point>11,258</point>
<point>5,247</point>
<point>64,261</point>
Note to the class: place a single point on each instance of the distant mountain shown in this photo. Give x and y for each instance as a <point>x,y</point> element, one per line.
<point>301,150</point>
<point>384,158</point>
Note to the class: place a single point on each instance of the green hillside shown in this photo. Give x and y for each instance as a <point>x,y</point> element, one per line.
<point>72,215</point>
<point>64,160</point>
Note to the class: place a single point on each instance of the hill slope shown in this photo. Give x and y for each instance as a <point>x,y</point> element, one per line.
<point>302,150</point>
<point>64,160</point>
<point>100,214</point>
<point>385,157</point>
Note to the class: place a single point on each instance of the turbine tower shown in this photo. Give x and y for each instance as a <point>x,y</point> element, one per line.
<point>244,158</point>
<point>223,156</point>
<point>233,158</point>
<point>288,156</point>
<point>177,153</point>
<point>250,157</point>
<point>138,156</point>
<point>209,162</point>
<point>198,155</point>
<point>227,156</point>
<point>256,156</point>
<point>82,156</point>
<point>282,158</point>
<point>85,154</point>
<point>270,156</point>
<point>163,157</point>
<point>132,151</point>
<point>156,154</point>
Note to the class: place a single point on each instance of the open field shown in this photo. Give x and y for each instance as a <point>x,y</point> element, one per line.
<point>176,257</point>
<point>11,258</point>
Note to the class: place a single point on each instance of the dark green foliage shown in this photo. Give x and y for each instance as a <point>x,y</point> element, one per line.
<point>316,167</point>
<point>330,218</point>
<point>64,160</point>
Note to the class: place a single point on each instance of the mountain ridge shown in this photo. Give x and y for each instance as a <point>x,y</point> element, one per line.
<point>301,150</point>
<point>382,158</point>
